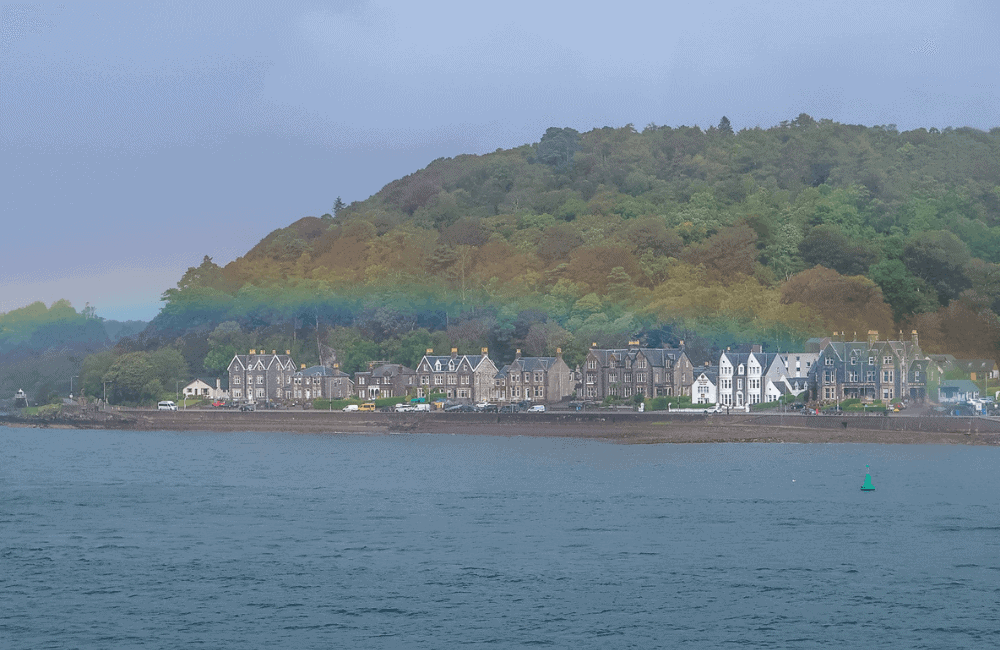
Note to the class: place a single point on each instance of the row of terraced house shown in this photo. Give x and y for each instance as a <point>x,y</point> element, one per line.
<point>826,369</point>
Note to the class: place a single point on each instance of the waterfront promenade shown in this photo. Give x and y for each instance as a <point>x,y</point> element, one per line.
<point>625,427</point>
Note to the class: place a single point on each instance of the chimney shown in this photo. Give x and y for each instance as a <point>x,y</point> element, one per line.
<point>558,353</point>
<point>336,366</point>
<point>218,385</point>
<point>682,342</point>
<point>454,352</point>
<point>274,352</point>
<point>593,345</point>
<point>484,351</point>
<point>303,366</point>
<point>517,353</point>
<point>913,336</point>
<point>706,364</point>
<point>755,348</point>
<point>872,337</point>
<point>430,350</point>
<point>253,351</point>
<point>288,351</point>
<point>633,344</point>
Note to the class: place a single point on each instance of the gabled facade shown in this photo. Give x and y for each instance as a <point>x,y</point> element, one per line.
<point>261,377</point>
<point>705,389</point>
<point>320,382</point>
<point>535,379</point>
<point>464,378</point>
<point>385,380</point>
<point>635,370</point>
<point>872,371</point>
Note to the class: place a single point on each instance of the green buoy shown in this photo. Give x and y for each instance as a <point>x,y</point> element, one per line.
<point>867,486</point>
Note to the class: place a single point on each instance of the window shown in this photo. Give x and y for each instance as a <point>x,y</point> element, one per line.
<point>871,361</point>
<point>854,361</point>
<point>361,381</point>
<point>613,377</point>
<point>739,384</point>
<point>237,392</point>
<point>425,380</point>
<point>871,376</point>
<point>591,378</point>
<point>236,380</point>
<point>591,364</point>
<point>538,377</point>
<point>260,379</point>
<point>827,376</point>
<point>886,376</point>
<point>438,380</point>
<point>829,361</point>
<point>452,380</point>
<point>527,377</point>
<point>886,361</point>
<point>538,391</point>
<point>627,377</point>
<point>656,377</point>
<point>640,377</point>
<point>465,380</point>
<point>628,391</point>
<point>853,376</point>
<point>260,392</point>
<point>642,363</point>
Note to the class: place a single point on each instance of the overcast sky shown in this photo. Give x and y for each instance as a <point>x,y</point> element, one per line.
<point>138,137</point>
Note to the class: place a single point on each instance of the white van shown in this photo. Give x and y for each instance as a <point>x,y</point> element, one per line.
<point>166,406</point>
<point>537,408</point>
<point>349,408</point>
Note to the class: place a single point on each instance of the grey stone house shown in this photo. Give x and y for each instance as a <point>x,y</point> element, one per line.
<point>466,378</point>
<point>625,372</point>
<point>535,379</point>
<point>385,380</point>
<point>320,382</point>
<point>261,377</point>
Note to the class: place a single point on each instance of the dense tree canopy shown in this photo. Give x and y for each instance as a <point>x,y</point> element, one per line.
<point>767,235</point>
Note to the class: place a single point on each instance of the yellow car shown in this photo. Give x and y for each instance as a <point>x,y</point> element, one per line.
<point>367,406</point>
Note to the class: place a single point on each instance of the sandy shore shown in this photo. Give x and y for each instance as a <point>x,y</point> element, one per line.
<point>625,428</point>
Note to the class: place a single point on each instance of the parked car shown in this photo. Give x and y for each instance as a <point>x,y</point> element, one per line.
<point>490,408</point>
<point>248,407</point>
<point>524,404</point>
<point>797,407</point>
<point>367,407</point>
<point>508,408</point>
<point>537,408</point>
<point>167,405</point>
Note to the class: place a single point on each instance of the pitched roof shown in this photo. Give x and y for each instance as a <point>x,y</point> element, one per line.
<point>963,385</point>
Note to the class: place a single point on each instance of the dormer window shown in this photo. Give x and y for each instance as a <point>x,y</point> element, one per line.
<point>740,369</point>
<point>451,365</point>
<point>437,366</point>
<point>829,361</point>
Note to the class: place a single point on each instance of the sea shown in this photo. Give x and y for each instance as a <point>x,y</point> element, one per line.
<point>124,539</point>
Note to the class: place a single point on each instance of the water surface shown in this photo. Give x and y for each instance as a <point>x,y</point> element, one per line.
<point>112,539</point>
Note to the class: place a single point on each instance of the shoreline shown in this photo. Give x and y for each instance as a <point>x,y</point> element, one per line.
<point>621,428</point>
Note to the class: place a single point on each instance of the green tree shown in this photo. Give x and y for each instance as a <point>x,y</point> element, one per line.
<point>906,294</point>
<point>338,207</point>
<point>557,146</point>
<point>939,258</point>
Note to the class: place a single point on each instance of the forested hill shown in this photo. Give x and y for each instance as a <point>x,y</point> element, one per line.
<point>723,237</point>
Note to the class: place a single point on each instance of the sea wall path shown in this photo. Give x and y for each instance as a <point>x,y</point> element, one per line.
<point>629,427</point>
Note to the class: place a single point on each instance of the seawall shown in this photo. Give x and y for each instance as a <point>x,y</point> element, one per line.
<point>628,427</point>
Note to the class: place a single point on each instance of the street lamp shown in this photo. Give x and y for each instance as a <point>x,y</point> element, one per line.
<point>71,378</point>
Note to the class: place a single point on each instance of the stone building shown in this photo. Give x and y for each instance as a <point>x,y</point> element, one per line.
<point>261,377</point>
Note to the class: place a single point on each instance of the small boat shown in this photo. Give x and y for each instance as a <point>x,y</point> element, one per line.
<point>867,485</point>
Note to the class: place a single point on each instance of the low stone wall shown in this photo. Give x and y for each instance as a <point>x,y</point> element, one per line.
<point>587,424</point>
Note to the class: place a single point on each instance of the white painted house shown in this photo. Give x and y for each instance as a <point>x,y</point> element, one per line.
<point>199,389</point>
